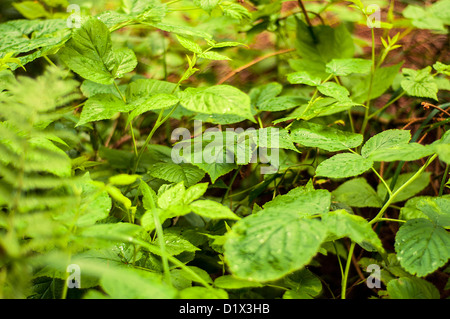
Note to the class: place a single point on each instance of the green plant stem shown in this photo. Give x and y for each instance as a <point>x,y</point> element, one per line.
<point>389,103</point>
<point>160,121</point>
<point>48,60</point>
<point>347,268</point>
<point>133,139</point>
<point>311,101</point>
<point>408,182</point>
<point>372,74</point>
<point>122,25</point>
<point>339,259</point>
<point>246,190</point>
<point>131,124</point>
<point>444,177</point>
<point>231,183</point>
<point>65,287</point>
<point>155,250</point>
<point>261,125</point>
<point>120,92</point>
<point>383,181</point>
<point>162,243</point>
<point>162,246</point>
<point>392,220</point>
<point>414,138</point>
<point>350,119</point>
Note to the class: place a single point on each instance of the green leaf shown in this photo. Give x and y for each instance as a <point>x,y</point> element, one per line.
<point>437,209</point>
<point>125,62</point>
<point>334,90</point>
<point>113,18</point>
<point>148,221</point>
<point>123,179</point>
<point>102,107</point>
<point>328,43</point>
<point>195,192</point>
<point>357,193</point>
<point>6,79</point>
<point>177,244</point>
<point>213,210</point>
<point>189,44</point>
<point>303,284</point>
<point>301,201</point>
<point>404,152</point>
<point>235,11</point>
<point>111,232</point>
<point>176,173</point>
<point>322,106</point>
<point>129,283</point>
<point>41,150</point>
<point>442,83</point>
<point>442,68</point>
<point>273,137</point>
<point>31,10</point>
<point>410,209</point>
<point>154,102</point>
<point>343,165</point>
<point>230,282</point>
<point>428,17</point>
<point>303,77</point>
<point>182,29</point>
<point>441,10</point>
<point>358,3</point>
<point>206,5</point>
<point>149,198</point>
<point>385,140</point>
<point>262,93</point>
<point>442,147</point>
<point>171,196</point>
<point>411,288</point>
<point>117,195</point>
<point>198,292</point>
<point>32,39</point>
<point>382,80</point>
<point>142,90</point>
<point>328,138</point>
<point>213,156</point>
<point>225,44</point>
<point>342,224</point>
<point>422,246</point>
<point>89,89</point>
<point>265,246</point>
<point>148,12</point>
<point>419,83</point>
<point>212,55</point>
<point>142,10</point>
<point>344,67</point>
<point>315,69</point>
<point>95,204</point>
<point>412,189</point>
<point>222,119</point>
<point>219,99</point>
<point>281,103</point>
<point>89,53</point>
<point>199,272</point>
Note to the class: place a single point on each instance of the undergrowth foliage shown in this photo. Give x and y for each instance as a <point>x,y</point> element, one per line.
<point>218,149</point>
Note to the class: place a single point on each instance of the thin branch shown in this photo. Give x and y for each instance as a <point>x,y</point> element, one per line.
<point>427,105</point>
<point>233,73</point>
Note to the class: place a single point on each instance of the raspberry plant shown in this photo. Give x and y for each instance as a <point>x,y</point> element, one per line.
<point>95,177</point>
